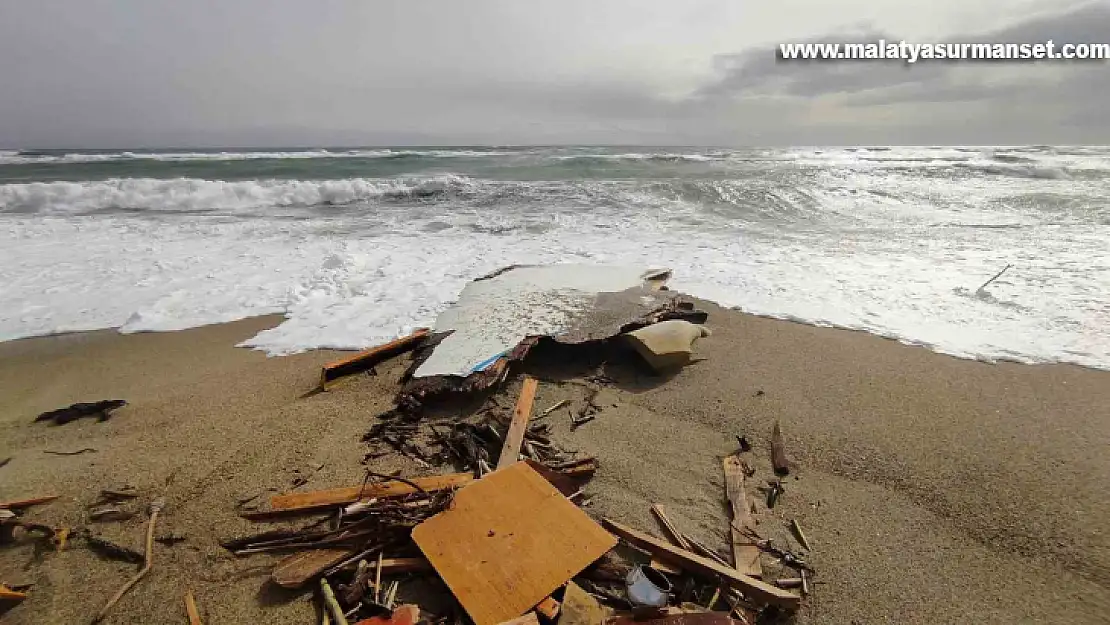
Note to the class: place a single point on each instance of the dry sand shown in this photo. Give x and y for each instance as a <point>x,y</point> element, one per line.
<point>933,490</point>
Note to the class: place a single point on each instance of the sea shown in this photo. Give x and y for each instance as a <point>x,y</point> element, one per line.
<point>356,246</point>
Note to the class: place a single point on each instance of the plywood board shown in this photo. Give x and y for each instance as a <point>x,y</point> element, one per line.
<point>745,554</point>
<point>507,541</point>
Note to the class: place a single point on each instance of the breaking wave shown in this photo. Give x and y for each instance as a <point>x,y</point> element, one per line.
<point>185,194</point>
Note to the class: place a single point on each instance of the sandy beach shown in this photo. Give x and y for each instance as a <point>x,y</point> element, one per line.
<point>933,489</point>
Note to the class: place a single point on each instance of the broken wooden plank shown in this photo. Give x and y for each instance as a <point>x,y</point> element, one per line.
<point>563,482</point>
<point>322,499</point>
<point>579,469</point>
<point>10,598</point>
<point>507,541</point>
<point>370,358</point>
<point>27,503</point>
<point>548,608</point>
<point>510,451</point>
<point>745,554</point>
<point>300,568</point>
<point>693,563</point>
<point>672,530</point>
<point>778,452</point>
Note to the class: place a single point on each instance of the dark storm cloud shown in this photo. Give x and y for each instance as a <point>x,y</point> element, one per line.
<point>871,83</point>
<point>130,73</point>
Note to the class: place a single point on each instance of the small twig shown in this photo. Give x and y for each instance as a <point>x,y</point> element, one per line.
<point>5,461</point>
<point>378,579</point>
<point>68,453</point>
<point>799,535</point>
<point>996,276</point>
<point>547,411</point>
<point>155,508</point>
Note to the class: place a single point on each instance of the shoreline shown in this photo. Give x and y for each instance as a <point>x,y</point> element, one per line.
<point>933,488</point>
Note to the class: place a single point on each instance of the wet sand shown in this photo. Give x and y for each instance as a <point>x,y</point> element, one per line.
<point>932,489</point>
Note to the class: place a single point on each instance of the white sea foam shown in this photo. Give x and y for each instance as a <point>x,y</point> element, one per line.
<point>889,251</point>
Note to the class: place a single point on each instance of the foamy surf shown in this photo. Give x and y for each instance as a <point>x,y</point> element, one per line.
<point>891,249</point>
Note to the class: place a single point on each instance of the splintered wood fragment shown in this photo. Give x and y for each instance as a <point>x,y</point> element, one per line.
<point>366,360</point>
<point>191,608</point>
<point>802,540</point>
<point>322,499</point>
<point>521,413</point>
<point>693,563</point>
<point>672,531</point>
<point>548,608</point>
<point>27,503</point>
<point>664,567</point>
<point>563,482</point>
<point>579,469</point>
<point>581,608</point>
<point>300,568</point>
<point>745,554</point>
<point>778,452</point>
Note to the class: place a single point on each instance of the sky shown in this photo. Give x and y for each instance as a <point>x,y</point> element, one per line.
<point>267,73</point>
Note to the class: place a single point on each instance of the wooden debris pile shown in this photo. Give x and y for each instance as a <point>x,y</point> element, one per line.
<point>510,541</point>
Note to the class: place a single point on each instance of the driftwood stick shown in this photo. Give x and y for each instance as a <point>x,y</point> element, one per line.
<point>155,508</point>
<point>996,276</point>
<point>778,452</point>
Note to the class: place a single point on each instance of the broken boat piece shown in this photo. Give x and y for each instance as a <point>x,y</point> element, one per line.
<point>667,345</point>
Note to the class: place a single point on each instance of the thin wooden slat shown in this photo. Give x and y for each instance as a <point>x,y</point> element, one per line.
<point>507,541</point>
<point>191,609</point>
<point>300,568</point>
<point>672,531</point>
<point>745,554</point>
<point>320,499</point>
<point>751,587</point>
<point>367,359</point>
<point>510,451</point>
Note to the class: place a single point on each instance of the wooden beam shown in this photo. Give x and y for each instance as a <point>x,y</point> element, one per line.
<point>693,563</point>
<point>510,452</point>
<point>366,360</point>
<point>322,499</point>
<point>778,452</point>
<point>745,554</point>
